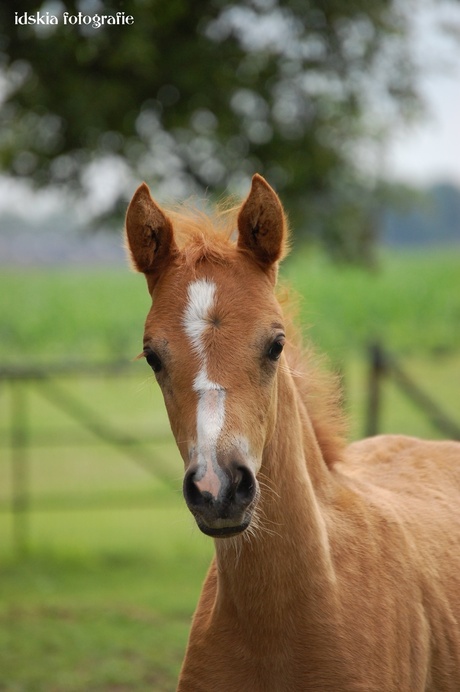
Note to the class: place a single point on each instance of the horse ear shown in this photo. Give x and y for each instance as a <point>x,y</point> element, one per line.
<point>150,236</point>
<point>262,224</point>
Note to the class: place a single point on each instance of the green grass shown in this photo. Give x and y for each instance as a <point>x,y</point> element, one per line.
<point>411,301</point>
<point>103,599</point>
<point>91,649</point>
<point>72,314</point>
<point>103,618</point>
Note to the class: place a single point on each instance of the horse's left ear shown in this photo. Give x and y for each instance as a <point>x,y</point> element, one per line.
<point>262,225</point>
<point>150,236</point>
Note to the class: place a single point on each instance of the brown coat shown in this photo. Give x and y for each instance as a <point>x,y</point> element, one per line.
<point>337,568</point>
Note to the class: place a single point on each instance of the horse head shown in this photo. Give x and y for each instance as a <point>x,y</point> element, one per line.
<point>214,338</point>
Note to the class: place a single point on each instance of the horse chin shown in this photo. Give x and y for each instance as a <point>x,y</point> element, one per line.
<point>223,531</point>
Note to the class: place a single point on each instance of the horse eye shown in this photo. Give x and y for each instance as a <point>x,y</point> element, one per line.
<point>276,349</point>
<point>153,360</point>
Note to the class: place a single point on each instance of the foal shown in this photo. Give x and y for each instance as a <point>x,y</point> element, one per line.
<point>337,568</point>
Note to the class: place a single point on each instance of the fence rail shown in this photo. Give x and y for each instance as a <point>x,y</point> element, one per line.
<point>47,382</point>
<point>384,366</point>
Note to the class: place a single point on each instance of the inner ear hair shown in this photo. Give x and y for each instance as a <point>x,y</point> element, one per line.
<point>149,234</point>
<point>262,224</point>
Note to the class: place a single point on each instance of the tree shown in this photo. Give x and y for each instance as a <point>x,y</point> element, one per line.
<point>199,95</point>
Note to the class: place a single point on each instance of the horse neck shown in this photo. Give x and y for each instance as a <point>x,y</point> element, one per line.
<point>291,537</point>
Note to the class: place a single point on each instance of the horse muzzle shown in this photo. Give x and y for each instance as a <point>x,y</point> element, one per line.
<point>221,497</point>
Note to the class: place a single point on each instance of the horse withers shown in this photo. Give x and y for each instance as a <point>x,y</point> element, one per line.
<point>337,567</point>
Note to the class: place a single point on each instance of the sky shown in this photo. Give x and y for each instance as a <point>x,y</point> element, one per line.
<point>429,151</point>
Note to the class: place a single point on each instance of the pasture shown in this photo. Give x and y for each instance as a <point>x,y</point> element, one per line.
<point>103,600</point>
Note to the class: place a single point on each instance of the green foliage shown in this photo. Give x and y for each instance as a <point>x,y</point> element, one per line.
<point>200,95</point>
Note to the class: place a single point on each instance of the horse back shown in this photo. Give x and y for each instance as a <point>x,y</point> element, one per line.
<point>405,564</point>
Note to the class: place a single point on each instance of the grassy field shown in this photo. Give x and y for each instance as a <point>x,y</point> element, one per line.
<point>411,301</point>
<point>103,599</point>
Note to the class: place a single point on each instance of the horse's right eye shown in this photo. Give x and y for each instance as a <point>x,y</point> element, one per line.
<point>153,360</point>
<point>276,348</point>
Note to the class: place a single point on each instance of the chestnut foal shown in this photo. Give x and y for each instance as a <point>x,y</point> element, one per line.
<point>337,568</point>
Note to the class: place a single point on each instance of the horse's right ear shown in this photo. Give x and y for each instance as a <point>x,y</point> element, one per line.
<point>149,234</point>
<point>262,226</point>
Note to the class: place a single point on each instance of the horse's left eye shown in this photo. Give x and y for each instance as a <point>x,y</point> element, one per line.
<point>276,349</point>
<point>153,360</point>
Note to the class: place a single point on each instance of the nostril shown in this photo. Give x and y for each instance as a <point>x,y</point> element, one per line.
<point>192,493</point>
<point>246,485</point>
<point>237,487</point>
<point>194,496</point>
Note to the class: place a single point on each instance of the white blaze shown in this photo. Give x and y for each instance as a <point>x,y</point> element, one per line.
<point>211,396</point>
<point>196,319</point>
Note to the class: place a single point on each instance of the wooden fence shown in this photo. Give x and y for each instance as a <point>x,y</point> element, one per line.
<point>18,382</point>
<point>383,366</point>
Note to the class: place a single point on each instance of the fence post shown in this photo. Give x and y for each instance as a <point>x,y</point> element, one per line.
<point>376,371</point>
<point>437,417</point>
<point>19,468</point>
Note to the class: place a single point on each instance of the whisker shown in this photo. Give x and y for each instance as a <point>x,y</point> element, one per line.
<point>141,386</point>
<point>188,441</point>
<point>267,484</point>
<point>292,371</point>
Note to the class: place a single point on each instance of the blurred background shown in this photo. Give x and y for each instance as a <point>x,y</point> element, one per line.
<point>351,110</point>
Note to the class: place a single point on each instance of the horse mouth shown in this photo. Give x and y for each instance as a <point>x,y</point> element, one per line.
<point>223,531</point>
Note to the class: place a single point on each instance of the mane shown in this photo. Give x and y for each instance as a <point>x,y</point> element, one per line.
<point>319,387</point>
<point>205,234</point>
<point>210,234</point>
